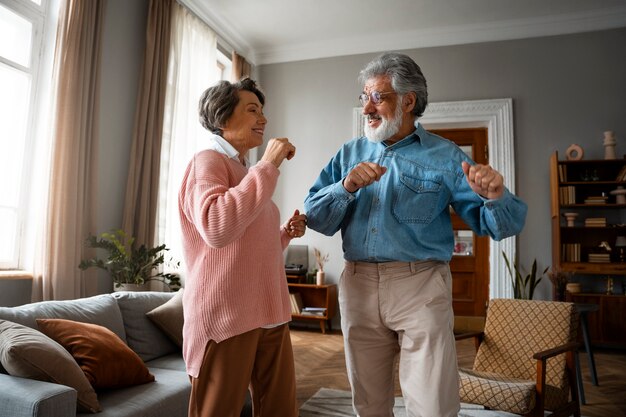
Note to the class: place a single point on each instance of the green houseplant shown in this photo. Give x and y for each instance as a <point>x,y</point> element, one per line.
<point>130,265</point>
<point>523,286</point>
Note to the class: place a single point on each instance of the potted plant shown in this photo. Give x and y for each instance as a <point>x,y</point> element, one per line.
<point>320,260</point>
<point>130,265</point>
<point>523,287</point>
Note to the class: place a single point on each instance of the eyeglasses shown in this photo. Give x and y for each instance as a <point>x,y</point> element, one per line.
<point>375,96</point>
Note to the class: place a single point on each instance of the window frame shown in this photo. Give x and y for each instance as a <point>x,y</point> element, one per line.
<point>41,17</point>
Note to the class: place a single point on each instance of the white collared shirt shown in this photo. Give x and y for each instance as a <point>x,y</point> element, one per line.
<point>221,145</point>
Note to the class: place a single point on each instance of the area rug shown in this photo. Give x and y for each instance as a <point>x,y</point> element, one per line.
<point>335,403</point>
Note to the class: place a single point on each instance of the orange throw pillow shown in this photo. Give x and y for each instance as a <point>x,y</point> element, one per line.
<point>104,358</point>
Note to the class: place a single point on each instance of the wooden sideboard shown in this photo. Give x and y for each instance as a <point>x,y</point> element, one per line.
<point>607,326</point>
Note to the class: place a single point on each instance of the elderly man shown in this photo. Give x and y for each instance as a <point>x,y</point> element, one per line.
<point>389,193</point>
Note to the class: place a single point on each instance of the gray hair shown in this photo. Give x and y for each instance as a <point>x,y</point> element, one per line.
<point>406,76</point>
<point>218,102</point>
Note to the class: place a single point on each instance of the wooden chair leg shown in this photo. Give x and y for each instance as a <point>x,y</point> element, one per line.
<point>570,363</point>
<point>579,379</point>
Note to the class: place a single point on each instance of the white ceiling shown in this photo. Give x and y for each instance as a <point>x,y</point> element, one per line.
<point>271,31</point>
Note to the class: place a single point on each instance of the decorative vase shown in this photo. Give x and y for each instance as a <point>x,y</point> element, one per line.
<point>558,291</point>
<point>620,195</point>
<point>320,277</point>
<point>609,145</point>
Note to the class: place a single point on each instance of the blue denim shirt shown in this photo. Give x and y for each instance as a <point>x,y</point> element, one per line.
<point>406,216</point>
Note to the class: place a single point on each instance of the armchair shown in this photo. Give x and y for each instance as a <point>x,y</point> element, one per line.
<point>525,359</point>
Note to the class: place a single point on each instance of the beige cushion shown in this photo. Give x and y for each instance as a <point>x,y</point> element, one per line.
<point>496,392</point>
<point>28,353</point>
<point>104,358</point>
<point>169,318</point>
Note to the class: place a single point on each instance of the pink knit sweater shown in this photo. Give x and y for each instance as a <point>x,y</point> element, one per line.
<point>233,245</point>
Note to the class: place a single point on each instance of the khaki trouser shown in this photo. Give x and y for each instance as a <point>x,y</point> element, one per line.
<point>400,308</point>
<point>261,359</point>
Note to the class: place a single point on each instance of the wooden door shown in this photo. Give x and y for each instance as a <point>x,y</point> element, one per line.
<point>470,261</point>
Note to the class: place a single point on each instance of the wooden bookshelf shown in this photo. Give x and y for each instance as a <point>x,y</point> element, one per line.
<point>582,189</point>
<point>324,296</point>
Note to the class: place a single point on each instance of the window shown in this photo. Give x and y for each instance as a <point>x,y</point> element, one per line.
<point>224,65</point>
<point>25,69</point>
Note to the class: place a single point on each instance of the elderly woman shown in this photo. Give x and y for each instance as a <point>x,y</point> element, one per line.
<point>236,300</point>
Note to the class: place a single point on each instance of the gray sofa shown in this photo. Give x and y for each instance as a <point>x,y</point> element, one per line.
<point>123,313</point>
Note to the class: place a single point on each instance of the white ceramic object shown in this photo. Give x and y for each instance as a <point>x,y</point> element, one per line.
<point>570,217</point>
<point>574,152</point>
<point>620,195</point>
<point>609,145</point>
<point>573,287</point>
<point>321,275</point>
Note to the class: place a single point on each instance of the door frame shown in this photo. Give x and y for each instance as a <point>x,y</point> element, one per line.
<point>497,116</point>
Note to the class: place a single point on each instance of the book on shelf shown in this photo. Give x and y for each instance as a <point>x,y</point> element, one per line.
<point>562,173</point>
<point>567,194</point>
<point>599,258</point>
<point>296,302</point>
<point>595,222</point>
<point>314,311</point>
<point>599,199</point>
<point>570,252</point>
<point>621,176</point>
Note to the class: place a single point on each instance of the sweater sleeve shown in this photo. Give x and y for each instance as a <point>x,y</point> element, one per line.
<point>220,207</point>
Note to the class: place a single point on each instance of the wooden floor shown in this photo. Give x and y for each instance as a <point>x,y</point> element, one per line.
<point>320,363</point>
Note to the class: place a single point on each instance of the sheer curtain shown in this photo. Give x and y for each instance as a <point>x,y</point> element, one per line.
<point>70,211</point>
<point>192,68</point>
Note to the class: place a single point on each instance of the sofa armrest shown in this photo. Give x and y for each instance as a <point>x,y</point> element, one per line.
<point>22,397</point>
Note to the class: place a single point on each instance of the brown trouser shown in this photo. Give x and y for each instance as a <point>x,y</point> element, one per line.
<point>261,360</point>
<point>400,310</point>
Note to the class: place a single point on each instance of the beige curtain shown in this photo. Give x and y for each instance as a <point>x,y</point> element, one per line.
<point>140,205</point>
<point>241,67</point>
<point>71,210</point>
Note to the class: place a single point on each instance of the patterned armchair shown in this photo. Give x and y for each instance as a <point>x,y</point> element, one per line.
<point>525,359</point>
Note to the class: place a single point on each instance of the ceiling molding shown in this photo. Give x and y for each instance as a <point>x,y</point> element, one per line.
<point>362,43</point>
<point>227,36</point>
<point>452,35</point>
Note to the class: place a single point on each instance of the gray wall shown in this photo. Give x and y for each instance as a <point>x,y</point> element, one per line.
<point>565,89</point>
<point>123,45</point>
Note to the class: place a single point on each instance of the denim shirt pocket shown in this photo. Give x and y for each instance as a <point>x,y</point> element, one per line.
<point>416,199</point>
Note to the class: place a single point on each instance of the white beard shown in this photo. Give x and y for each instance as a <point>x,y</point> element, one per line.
<point>387,128</point>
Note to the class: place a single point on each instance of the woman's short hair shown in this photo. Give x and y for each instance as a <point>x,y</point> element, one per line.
<point>218,102</point>
<point>405,75</point>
